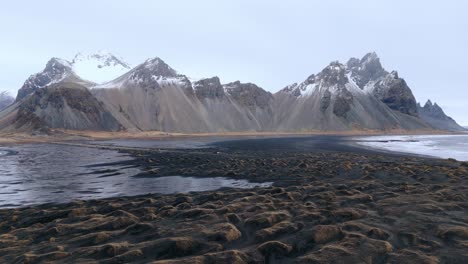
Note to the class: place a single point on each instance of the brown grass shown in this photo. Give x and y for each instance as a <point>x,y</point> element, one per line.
<point>70,135</point>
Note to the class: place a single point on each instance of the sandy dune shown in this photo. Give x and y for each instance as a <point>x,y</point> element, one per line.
<point>338,206</point>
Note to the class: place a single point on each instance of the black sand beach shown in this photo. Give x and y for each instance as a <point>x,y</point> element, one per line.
<point>331,202</point>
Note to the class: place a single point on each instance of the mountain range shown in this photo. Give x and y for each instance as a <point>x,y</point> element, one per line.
<point>102,92</point>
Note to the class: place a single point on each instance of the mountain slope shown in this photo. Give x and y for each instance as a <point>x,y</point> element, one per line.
<point>57,98</point>
<point>340,98</point>
<point>56,70</point>
<point>369,75</point>
<point>153,72</point>
<point>85,69</point>
<point>436,118</point>
<point>153,96</point>
<point>358,95</point>
<point>5,100</point>
<point>62,105</point>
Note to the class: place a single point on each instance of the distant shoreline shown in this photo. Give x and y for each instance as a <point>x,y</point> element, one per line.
<point>7,138</point>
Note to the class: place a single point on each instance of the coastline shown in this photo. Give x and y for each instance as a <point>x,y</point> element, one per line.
<point>430,146</point>
<point>336,202</point>
<point>8,138</point>
<point>384,151</point>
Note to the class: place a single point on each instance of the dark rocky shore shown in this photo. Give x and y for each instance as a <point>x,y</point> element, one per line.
<point>330,203</point>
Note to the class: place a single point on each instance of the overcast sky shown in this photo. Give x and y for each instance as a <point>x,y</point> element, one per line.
<point>271,43</point>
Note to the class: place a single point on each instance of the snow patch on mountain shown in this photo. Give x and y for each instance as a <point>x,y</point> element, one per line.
<point>61,62</point>
<point>56,70</point>
<point>333,78</point>
<point>99,67</point>
<point>153,72</point>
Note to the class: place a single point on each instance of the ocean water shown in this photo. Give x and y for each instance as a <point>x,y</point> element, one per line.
<point>166,143</point>
<point>439,146</point>
<point>51,173</point>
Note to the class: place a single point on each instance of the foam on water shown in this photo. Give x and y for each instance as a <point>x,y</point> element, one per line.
<point>440,146</point>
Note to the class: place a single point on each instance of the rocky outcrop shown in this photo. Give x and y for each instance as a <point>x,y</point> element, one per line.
<point>369,75</point>
<point>343,102</point>
<point>395,93</point>
<point>55,71</point>
<point>209,88</point>
<point>366,70</point>
<point>249,95</point>
<point>150,69</point>
<point>436,118</point>
<point>433,110</point>
<point>333,76</point>
<point>332,100</point>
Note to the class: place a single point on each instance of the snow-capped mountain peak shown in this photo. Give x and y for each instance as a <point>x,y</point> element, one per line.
<point>55,71</point>
<point>333,74</point>
<point>59,63</point>
<point>154,69</point>
<point>367,70</point>
<point>158,67</point>
<point>153,72</point>
<point>370,57</point>
<point>330,78</point>
<point>99,67</point>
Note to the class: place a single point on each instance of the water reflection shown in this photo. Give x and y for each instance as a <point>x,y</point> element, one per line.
<point>43,173</point>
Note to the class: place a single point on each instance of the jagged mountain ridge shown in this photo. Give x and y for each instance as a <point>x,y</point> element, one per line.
<point>333,100</point>
<point>358,95</point>
<point>56,70</point>
<point>436,118</point>
<point>86,69</point>
<point>369,75</point>
<point>153,96</point>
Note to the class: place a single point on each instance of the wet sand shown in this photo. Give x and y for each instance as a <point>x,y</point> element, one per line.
<point>330,203</point>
